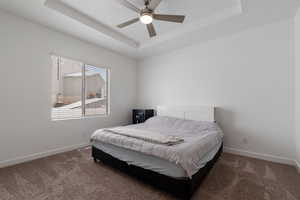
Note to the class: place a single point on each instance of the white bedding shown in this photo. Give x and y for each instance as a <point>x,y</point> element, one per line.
<point>148,136</point>
<point>199,139</point>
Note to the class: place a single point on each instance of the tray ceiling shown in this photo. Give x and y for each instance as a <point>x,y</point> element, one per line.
<point>205,19</point>
<point>111,13</point>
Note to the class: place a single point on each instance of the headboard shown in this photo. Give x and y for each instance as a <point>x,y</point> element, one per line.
<point>198,113</point>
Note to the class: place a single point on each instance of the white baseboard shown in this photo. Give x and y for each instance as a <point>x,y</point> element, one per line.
<point>35,156</point>
<point>298,166</point>
<point>276,159</point>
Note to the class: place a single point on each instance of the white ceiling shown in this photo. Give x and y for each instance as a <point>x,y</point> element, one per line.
<point>111,13</point>
<point>205,20</point>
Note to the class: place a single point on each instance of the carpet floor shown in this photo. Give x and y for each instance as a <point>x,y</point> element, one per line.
<point>74,176</point>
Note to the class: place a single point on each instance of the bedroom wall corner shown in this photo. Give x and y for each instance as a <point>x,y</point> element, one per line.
<point>297,87</point>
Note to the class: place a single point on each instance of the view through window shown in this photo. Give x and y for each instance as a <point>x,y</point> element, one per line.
<point>78,89</point>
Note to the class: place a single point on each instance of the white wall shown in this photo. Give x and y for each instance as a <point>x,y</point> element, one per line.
<point>25,87</point>
<point>297,85</point>
<point>248,76</point>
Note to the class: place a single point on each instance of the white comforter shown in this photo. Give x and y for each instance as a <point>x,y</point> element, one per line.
<point>199,139</point>
<point>148,136</point>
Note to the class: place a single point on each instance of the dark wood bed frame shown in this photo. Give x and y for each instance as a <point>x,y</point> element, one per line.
<point>182,188</point>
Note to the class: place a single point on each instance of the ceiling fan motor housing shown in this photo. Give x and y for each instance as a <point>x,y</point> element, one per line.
<point>146,11</point>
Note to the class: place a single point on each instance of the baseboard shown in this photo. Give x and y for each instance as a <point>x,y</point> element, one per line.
<point>298,166</point>
<point>276,159</point>
<point>35,156</point>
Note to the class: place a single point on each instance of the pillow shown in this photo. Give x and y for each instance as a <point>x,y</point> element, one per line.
<point>165,122</point>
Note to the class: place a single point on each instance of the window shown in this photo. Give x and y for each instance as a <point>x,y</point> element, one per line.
<point>78,89</point>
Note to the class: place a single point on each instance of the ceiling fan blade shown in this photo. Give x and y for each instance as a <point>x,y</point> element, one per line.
<point>129,5</point>
<point>128,23</point>
<point>151,30</point>
<point>153,4</point>
<point>170,18</point>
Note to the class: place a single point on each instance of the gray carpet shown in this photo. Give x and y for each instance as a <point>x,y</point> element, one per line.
<point>74,176</point>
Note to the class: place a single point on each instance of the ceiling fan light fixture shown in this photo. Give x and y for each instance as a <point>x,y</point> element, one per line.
<point>146,18</point>
<point>147,15</point>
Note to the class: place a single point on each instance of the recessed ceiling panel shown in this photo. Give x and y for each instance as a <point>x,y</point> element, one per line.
<point>205,20</point>
<point>110,12</point>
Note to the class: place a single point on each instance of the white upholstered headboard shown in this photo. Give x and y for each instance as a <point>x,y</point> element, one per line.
<point>198,113</point>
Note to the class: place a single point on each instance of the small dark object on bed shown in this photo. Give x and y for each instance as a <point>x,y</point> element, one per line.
<point>182,188</point>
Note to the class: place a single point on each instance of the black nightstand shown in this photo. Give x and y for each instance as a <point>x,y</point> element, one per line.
<point>141,115</point>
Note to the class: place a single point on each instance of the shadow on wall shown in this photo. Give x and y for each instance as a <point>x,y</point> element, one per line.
<point>224,118</point>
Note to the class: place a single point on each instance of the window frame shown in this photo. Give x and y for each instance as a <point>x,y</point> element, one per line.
<point>83,90</point>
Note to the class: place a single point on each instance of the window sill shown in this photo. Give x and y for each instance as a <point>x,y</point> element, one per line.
<point>82,118</point>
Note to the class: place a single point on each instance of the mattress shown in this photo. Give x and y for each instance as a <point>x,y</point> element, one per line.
<point>199,139</point>
<point>150,162</point>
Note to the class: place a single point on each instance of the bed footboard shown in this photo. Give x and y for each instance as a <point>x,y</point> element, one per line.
<point>182,188</point>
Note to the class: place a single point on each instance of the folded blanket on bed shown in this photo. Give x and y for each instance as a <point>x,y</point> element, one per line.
<point>149,136</point>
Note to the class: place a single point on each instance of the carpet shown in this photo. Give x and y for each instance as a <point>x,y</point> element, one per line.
<point>74,176</point>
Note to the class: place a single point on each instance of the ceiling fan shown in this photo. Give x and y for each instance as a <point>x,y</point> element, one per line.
<point>147,15</point>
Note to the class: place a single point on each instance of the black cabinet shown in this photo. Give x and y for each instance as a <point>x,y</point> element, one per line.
<point>141,115</point>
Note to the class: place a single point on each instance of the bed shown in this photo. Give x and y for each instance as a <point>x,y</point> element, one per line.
<point>178,168</point>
